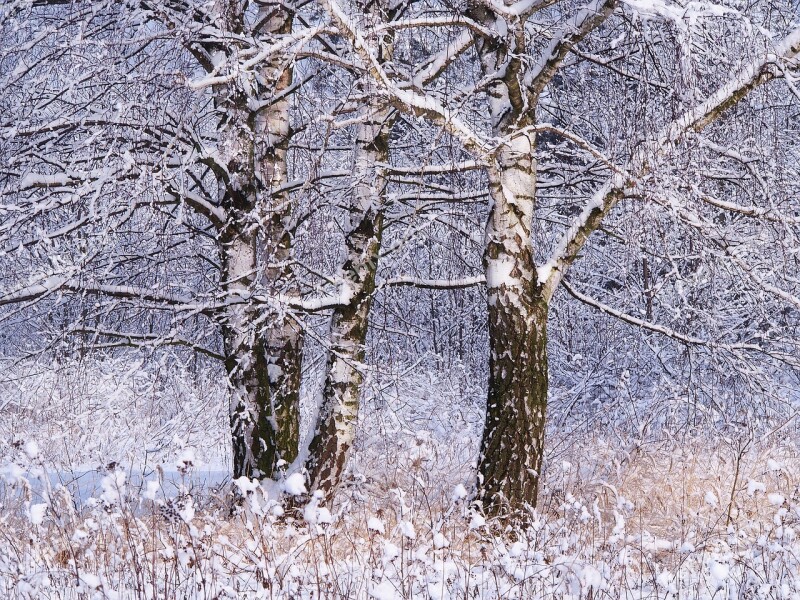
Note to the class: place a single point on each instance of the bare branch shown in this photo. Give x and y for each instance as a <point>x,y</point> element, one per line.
<point>671,333</point>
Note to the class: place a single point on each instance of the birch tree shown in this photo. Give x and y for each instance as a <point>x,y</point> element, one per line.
<point>208,163</point>
<point>519,60</point>
<point>336,422</point>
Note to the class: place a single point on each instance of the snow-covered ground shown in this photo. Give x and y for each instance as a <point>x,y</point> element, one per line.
<point>662,532</point>
<point>691,518</point>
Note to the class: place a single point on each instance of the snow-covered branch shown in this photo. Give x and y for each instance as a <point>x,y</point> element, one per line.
<point>521,9</point>
<point>588,18</point>
<point>407,101</point>
<point>654,327</point>
<point>457,167</point>
<point>447,21</point>
<point>141,340</point>
<point>606,198</point>
<point>56,283</point>
<point>434,284</point>
<point>437,64</point>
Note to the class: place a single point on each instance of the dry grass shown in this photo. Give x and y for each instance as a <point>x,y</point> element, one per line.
<point>645,522</point>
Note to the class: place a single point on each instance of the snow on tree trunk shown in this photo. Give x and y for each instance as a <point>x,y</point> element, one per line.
<point>335,431</point>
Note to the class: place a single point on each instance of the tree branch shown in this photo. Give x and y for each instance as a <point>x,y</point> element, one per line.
<point>140,340</point>
<point>408,102</point>
<point>434,284</point>
<point>606,198</point>
<point>589,18</point>
<point>671,333</point>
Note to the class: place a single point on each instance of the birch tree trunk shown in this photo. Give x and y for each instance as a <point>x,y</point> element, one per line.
<point>335,430</point>
<point>254,447</point>
<point>513,439</point>
<point>263,352</point>
<point>284,337</point>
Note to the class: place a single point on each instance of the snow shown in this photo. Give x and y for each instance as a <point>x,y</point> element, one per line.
<point>385,590</point>
<point>754,486</point>
<point>36,513</point>
<point>560,556</point>
<point>666,581</point>
<point>274,372</point>
<point>186,460</point>
<point>323,516</point>
<point>592,578</point>
<point>295,484</point>
<point>187,511</point>
<point>776,499</point>
<point>477,521</point>
<point>585,536</point>
<point>12,473</point>
<point>31,449</point>
<point>151,489</point>
<point>113,486</point>
<point>39,180</point>
<point>246,485</point>
<point>314,514</point>
<point>719,572</point>
<point>459,492</point>
<point>375,524</point>
<point>774,465</point>
<point>407,529</point>
<point>678,14</point>
<point>79,536</point>
<point>90,580</point>
<point>390,551</point>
